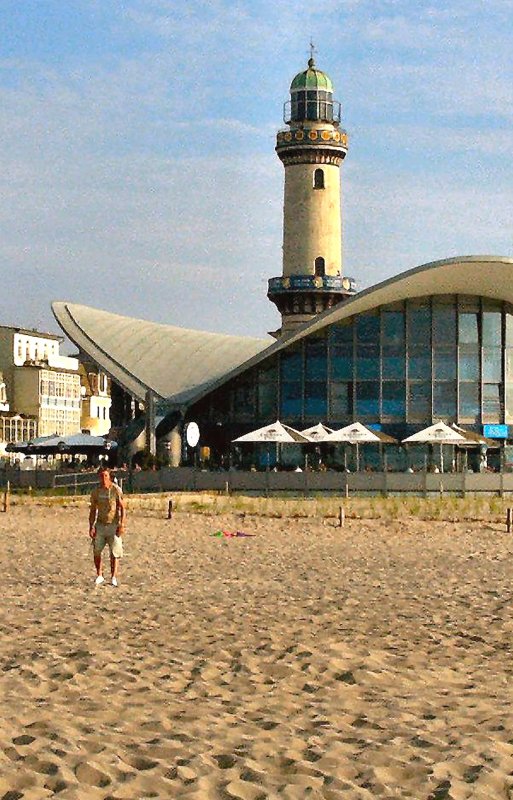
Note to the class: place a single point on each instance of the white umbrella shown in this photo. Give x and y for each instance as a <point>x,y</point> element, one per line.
<point>317,433</point>
<point>277,432</point>
<point>439,433</point>
<point>356,433</point>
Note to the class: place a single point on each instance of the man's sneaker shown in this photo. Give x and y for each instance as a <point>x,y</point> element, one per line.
<point>114,581</point>
<point>99,580</point>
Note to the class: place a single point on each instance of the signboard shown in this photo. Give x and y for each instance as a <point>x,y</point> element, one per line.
<point>192,434</point>
<point>495,431</point>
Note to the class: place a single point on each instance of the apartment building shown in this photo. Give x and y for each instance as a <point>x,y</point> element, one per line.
<point>40,383</point>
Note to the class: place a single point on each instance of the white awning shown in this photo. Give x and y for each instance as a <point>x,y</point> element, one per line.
<point>354,434</point>
<point>439,433</point>
<point>277,432</point>
<point>317,433</point>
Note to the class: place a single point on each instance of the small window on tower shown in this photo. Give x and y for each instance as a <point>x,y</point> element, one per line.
<point>320,269</point>
<point>319,179</point>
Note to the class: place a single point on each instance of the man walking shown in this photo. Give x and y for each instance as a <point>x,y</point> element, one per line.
<point>107,524</point>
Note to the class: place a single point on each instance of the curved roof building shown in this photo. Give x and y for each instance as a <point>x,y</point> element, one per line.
<point>435,342</point>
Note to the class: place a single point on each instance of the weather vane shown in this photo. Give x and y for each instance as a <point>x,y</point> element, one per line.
<point>312,50</point>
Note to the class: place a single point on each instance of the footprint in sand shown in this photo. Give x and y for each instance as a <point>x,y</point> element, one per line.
<point>42,766</point>
<point>56,785</point>
<point>87,773</point>
<point>225,760</point>
<point>142,764</point>
<point>24,739</point>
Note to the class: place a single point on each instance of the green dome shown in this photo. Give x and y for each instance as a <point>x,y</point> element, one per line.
<point>311,78</point>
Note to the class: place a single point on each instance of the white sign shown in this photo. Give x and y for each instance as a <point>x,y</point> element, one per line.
<point>192,434</point>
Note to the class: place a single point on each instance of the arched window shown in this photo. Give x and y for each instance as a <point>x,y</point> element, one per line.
<point>319,179</point>
<point>320,267</point>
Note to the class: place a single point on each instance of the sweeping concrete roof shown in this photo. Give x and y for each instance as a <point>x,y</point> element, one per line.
<point>185,365</point>
<point>175,363</point>
<point>481,276</point>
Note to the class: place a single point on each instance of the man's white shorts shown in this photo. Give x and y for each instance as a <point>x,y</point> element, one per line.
<point>106,534</point>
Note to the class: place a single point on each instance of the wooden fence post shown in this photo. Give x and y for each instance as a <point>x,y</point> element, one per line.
<point>509,519</point>
<point>170,510</point>
<point>7,498</point>
<point>341,517</point>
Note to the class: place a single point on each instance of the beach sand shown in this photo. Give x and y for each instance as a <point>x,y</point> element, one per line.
<point>308,661</point>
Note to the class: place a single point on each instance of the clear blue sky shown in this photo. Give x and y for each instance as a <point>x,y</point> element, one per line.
<point>138,171</point>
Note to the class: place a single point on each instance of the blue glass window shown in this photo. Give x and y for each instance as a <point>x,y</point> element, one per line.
<point>316,362</point>
<point>491,402</point>
<point>342,334</point>
<point>419,325</point>
<point>244,400</point>
<point>492,364</point>
<point>469,365</point>
<point>468,327</point>
<point>392,327</point>
<point>342,362</point>
<point>341,400</point>
<point>393,362</point>
<point>291,363</point>
<point>444,324</point>
<point>367,362</point>
<point>444,399</point>
<point>367,399</point>
<point>469,402</point>
<point>316,404</point>
<point>393,403</point>
<point>492,328</point>
<point>419,363</point>
<point>291,402</point>
<point>444,364</point>
<point>419,402</point>
<point>367,328</point>
<point>267,400</point>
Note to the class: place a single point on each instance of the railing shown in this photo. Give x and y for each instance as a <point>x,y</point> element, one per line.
<point>325,283</point>
<point>75,481</point>
<point>41,479</point>
<point>330,483</point>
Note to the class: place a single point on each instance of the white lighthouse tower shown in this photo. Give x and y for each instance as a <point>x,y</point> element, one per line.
<point>311,149</point>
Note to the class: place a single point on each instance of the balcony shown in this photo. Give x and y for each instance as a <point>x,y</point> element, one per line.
<point>312,283</point>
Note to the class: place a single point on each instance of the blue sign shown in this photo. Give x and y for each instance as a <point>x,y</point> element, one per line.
<point>375,426</point>
<point>495,431</point>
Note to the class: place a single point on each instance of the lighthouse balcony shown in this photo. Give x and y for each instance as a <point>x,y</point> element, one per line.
<point>312,136</point>
<point>309,283</point>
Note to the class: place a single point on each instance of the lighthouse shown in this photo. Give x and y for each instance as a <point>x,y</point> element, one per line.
<point>311,149</point>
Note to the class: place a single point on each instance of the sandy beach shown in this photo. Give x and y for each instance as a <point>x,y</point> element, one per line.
<point>306,661</point>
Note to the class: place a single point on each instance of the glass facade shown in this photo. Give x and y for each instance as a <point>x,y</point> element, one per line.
<point>404,366</point>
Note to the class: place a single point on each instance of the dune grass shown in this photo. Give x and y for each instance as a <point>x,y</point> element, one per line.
<point>447,508</point>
